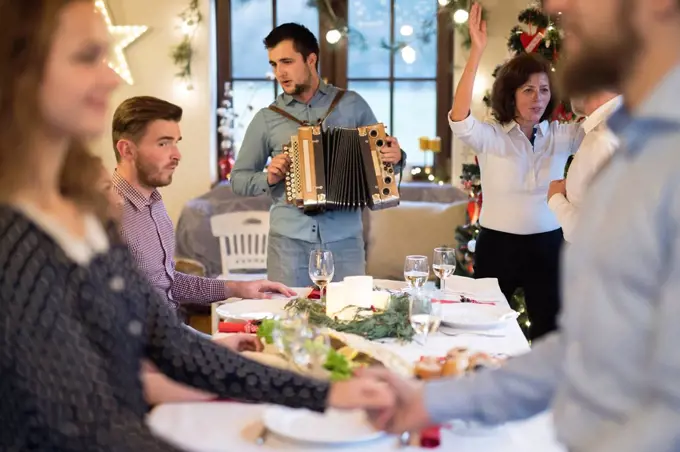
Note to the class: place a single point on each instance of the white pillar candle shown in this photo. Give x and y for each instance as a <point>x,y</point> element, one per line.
<point>380,299</point>
<point>336,301</point>
<point>359,290</point>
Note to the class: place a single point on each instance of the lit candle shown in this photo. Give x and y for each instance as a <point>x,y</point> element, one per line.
<point>436,144</point>
<point>424,143</point>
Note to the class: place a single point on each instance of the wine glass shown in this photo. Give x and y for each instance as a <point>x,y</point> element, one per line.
<point>291,336</point>
<point>444,264</point>
<point>436,314</point>
<point>416,271</point>
<point>321,268</point>
<point>420,314</point>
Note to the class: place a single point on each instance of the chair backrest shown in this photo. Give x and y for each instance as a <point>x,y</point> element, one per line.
<point>243,240</point>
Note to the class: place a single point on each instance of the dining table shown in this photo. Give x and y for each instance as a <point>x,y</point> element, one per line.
<point>217,426</point>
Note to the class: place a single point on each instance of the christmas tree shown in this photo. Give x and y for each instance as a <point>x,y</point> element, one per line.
<point>466,235</point>
<point>536,32</point>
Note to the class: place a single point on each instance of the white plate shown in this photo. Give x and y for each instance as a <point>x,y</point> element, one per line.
<point>251,309</point>
<point>389,284</point>
<point>247,316</point>
<point>476,316</point>
<point>302,292</point>
<point>329,429</point>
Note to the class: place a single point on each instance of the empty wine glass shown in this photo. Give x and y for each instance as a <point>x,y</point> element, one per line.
<point>444,263</point>
<point>319,346</point>
<point>420,314</point>
<point>291,336</point>
<point>416,271</point>
<point>321,268</point>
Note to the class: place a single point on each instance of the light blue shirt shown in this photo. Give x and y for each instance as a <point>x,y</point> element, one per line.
<point>612,376</point>
<point>265,137</point>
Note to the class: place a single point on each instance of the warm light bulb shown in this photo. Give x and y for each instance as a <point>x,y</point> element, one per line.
<point>443,2</point>
<point>431,177</point>
<point>333,36</point>
<point>406,30</point>
<point>408,54</point>
<point>188,27</point>
<point>460,16</point>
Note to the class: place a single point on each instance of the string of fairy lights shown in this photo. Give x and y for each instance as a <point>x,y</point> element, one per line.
<point>122,36</point>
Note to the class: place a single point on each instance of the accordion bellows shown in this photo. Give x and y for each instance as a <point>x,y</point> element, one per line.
<point>339,169</point>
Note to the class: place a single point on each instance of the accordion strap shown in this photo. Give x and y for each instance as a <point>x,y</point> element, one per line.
<point>285,114</point>
<point>334,103</point>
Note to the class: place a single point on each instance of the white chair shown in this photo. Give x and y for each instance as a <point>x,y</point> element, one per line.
<point>243,244</point>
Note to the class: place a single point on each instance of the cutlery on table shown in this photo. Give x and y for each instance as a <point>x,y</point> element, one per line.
<point>473,333</point>
<point>262,437</point>
<point>405,439</point>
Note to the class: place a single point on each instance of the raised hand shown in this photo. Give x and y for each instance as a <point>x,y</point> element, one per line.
<point>477,28</point>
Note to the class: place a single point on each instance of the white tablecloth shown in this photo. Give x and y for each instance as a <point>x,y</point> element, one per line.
<point>228,426</point>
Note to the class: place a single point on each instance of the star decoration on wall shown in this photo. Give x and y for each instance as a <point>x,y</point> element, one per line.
<point>122,36</point>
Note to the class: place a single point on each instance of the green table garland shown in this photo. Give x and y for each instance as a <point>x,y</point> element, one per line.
<point>392,322</point>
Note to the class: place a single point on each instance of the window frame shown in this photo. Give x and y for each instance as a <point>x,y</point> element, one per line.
<point>333,68</point>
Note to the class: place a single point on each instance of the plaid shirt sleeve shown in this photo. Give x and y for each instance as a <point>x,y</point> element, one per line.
<point>198,289</point>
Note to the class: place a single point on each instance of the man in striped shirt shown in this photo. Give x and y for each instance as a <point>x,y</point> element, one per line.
<point>145,136</point>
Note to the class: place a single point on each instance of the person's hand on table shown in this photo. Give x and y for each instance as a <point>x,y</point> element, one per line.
<point>409,412</point>
<point>241,343</point>
<point>257,289</point>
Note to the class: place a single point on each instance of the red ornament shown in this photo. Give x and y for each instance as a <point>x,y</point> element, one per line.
<point>473,210</point>
<point>226,164</point>
<point>531,42</point>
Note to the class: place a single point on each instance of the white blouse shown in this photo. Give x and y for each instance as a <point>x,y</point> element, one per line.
<point>594,152</point>
<point>515,175</point>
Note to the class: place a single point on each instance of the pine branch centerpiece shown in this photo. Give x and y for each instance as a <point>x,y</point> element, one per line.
<point>370,323</point>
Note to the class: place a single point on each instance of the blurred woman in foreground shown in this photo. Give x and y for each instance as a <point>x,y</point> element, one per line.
<point>76,317</point>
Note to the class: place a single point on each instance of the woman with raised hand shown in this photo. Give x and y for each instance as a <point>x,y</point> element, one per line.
<point>76,317</point>
<point>519,154</point>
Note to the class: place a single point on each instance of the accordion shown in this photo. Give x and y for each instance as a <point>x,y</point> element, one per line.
<point>339,169</point>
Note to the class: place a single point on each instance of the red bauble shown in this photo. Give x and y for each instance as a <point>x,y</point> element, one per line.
<point>226,164</point>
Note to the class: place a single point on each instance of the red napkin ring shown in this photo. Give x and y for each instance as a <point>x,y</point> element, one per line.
<point>467,300</point>
<point>430,437</point>
<point>315,294</point>
<point>235,327</point>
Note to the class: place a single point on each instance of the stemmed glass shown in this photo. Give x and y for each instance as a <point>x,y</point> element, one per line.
<point>421,315</point>
<point>444,264</point>
<point>321,268</point>
<point>416,271</point>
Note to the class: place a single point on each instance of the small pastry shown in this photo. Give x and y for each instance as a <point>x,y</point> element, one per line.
<point>453,367</point>
<point>454,352</point>
<point>428,368</point>
<point>481,360</point>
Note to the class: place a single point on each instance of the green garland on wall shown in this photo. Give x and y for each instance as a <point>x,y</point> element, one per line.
<point>183,53</point>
